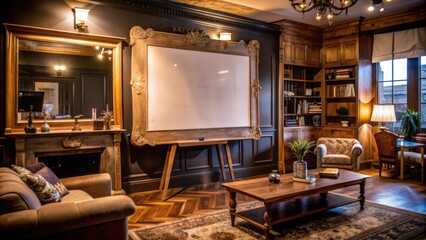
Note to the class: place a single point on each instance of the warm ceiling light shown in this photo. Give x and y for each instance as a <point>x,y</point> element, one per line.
<point>375,3</point>
<point>225,36</point>
<point>332,7</point>
<point>80,18</point>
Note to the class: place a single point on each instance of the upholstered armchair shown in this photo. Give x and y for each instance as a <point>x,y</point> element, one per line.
<point>338,153</point>
<point>88,211</point>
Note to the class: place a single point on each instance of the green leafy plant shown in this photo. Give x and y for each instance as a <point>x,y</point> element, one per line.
<point>410,123</point>
<point>301,147</point>
<point>343,112</point>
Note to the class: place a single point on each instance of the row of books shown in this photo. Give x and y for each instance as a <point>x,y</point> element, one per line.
<point>315,108</point>
<point>342,90</point>
<point>343,73</point>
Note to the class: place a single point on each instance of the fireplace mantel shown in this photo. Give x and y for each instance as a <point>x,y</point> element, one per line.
<point>107,142</point>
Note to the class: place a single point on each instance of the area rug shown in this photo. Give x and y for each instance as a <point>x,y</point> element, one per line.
<point>375,221</point>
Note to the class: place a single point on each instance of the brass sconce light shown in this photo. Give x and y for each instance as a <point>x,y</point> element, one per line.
<point>80,18</point>
<point>59,69</point>
<point>104,53</point>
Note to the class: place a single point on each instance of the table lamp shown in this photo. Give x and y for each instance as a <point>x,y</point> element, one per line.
<point>383,114</point>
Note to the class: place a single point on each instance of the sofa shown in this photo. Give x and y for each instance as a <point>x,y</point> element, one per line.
<point>88,211</point>
<point>338,153</point>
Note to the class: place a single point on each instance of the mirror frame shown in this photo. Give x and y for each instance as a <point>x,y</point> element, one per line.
<point>15,32</point>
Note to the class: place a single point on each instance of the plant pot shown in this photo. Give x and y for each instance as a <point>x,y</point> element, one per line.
<point>344,123</point>
<point>300,169</point>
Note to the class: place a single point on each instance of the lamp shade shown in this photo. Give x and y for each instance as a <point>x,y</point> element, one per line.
<point>226,36</point>
<point>383,113</point>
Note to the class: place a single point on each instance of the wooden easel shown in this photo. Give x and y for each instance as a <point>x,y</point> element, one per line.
<point>171,152</point>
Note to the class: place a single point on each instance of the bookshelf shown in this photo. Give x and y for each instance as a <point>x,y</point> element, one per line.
<point>302,96</point>
<point>340,90</point>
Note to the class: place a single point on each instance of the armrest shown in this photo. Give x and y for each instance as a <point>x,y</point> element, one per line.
<point>59,217</point>
<point>320,151</point>
<point>356,151</point>
<point>97,185</point>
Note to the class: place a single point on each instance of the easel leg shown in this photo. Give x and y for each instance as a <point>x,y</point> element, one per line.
<point>167,170</point>
<point>221,162</point>
<point>229,158</point>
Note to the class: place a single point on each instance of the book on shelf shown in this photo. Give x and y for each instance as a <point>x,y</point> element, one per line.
<point>314,107</point>
<point>329,173</point>
<point>343,73</point>
<point>291,123</point>
<point>301,121</point>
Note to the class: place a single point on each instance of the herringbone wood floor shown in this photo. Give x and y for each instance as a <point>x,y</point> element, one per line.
<point>202,199</point>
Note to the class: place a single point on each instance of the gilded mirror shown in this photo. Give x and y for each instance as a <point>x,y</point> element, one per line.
<point>77,73</point>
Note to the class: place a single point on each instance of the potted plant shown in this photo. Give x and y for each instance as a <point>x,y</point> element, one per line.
<point>300,148</point>
<point>410,123</point>
<point>343,112</point>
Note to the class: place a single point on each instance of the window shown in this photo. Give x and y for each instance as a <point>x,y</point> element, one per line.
<point>422,78</point>
<point>397,85</point>
<point>392,84</point>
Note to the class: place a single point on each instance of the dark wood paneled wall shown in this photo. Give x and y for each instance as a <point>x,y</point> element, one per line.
<point>141,167</point>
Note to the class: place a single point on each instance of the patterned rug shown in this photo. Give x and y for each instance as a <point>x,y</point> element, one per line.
<point>347,222</point>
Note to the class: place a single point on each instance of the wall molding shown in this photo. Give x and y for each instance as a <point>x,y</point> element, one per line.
<point>192,12</point>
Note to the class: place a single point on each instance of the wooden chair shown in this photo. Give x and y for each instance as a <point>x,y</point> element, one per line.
<point>388,150</point>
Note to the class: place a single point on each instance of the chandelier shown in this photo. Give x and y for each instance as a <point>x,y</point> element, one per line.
<point>322,7</point>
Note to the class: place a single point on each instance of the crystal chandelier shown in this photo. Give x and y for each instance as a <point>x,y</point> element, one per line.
<point>322,7</point>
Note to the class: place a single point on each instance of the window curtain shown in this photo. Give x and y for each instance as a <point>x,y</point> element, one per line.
<point>382,47</point>
<point>402,44</point>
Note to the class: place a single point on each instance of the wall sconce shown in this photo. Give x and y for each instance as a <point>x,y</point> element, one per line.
<point>104,52</point>
<point>59,69</point>
<point>80,18</point>
<point>225,36</point>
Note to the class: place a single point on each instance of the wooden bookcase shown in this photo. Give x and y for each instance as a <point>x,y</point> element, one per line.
<point>300,89</point>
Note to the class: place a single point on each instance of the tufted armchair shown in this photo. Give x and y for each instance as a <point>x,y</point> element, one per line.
<point>338,153</point>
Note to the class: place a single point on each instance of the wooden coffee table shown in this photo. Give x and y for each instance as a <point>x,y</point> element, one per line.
<point>289,199</point>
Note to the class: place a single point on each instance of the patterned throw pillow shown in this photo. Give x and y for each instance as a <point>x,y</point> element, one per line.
<point>47,174</point>
<point>45,191</point>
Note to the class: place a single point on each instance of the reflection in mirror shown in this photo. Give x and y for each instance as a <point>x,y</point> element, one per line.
<point>77,73</point>
<point>75,78</point>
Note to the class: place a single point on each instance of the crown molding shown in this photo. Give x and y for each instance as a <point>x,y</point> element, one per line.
<point>179,10</point>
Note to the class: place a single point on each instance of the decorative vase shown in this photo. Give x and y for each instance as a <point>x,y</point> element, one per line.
<point>45,127</point>
<point>344,123</point>
<point>300,169</point>
<point>274,177</point>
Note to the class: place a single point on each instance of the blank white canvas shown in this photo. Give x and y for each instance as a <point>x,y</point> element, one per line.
<point>197,90</point>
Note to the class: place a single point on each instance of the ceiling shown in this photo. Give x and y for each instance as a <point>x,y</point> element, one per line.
<point>275,10</point>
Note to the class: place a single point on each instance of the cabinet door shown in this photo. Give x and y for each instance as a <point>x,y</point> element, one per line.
<point>287,52</point>
<point>349,52</point>
<point>339,132</point>
<point>332,54</point>
<point>313,55</point>
<point>299,53</point>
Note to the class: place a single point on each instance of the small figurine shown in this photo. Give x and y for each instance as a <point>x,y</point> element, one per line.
<point>76,127</point>
<point>107,116</point>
